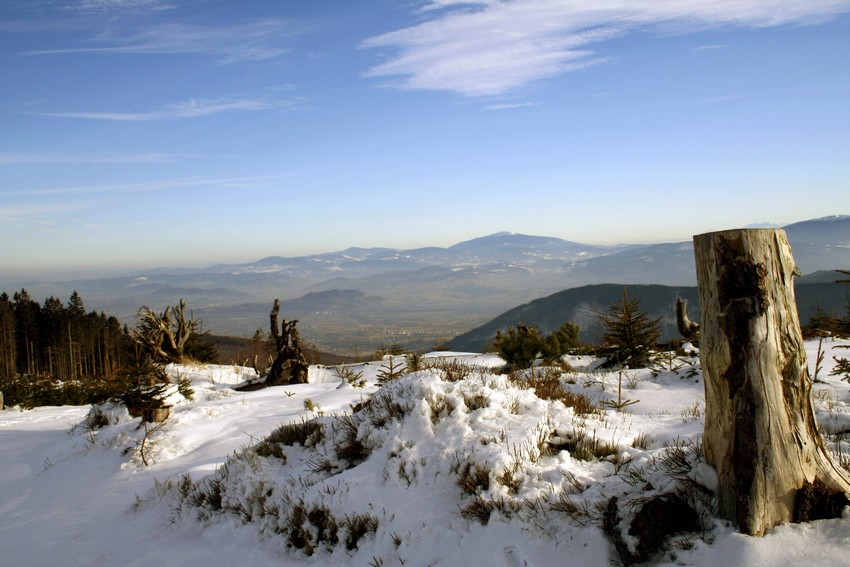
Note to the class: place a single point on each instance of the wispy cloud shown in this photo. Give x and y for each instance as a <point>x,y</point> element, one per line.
<point>438,4</point>
<point>120,5</point>
<point>489,47</point>
<point>159,185</point>
<point>252,41</point>
<point>727,98</point>
<point>192,108</point>
<point>510,106</point>
<point>13,158</point>
<point>38,213</point>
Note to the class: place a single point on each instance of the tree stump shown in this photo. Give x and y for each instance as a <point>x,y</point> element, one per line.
<point>290,365</point>
<point>760,430</point>
<point>156,415</point>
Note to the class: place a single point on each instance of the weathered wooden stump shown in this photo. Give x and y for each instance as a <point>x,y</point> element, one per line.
<point>760,430</point>
<point>156,415</point>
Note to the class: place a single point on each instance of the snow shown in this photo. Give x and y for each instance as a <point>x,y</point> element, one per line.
<point>75,495</point>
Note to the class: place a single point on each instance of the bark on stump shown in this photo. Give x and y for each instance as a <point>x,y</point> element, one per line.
<point>760,430</point>
<point>156,415</point>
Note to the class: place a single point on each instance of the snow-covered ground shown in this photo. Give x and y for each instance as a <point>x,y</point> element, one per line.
<point>454,465</point>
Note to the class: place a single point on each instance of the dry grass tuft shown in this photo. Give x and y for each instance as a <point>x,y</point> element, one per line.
<point>481,508</point>
<point>549,387</point>
<point>347,446</point>
<point>356,526</point>
<point>474,479</point>
<point>306,433</point>
<point>452,370</point>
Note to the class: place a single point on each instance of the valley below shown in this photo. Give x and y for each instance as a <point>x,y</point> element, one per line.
<point>353,301</point>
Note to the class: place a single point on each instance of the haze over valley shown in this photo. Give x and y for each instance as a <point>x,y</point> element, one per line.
<point>356,299</point>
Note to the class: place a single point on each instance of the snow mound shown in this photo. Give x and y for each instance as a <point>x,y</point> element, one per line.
<point>429,460</point>
<point>451,464</point>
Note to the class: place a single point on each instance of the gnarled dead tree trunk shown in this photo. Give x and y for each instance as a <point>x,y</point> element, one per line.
<point>164,338</point>
<point>687,328</point>
<point>290,365</point>
<point>760,430</point>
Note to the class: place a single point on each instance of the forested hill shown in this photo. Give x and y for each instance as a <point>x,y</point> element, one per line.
<point>582,305</point>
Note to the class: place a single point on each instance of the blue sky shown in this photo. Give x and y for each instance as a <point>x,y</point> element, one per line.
<point>142,133</point>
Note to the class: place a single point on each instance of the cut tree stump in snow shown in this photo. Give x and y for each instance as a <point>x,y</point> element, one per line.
<point>760,430</point>
<point>156,415</point>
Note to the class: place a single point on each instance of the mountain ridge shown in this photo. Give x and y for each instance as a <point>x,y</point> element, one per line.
<point>445,290</point>
<point>584,306</point>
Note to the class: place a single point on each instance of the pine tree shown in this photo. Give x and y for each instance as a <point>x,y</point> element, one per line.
<point>822,322</point>
<point>26,325</point>
<point>200,346</point>
<point>519,347</point>
<point>561,341</point>
<point>8,348</point>
<point>630,335</point>
<point>54,339</point>
<point>75,305</point>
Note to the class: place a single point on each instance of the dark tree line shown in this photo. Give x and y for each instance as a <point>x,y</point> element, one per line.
<point>56,339</point>
<point>57,353</point>
<point>824,322</point>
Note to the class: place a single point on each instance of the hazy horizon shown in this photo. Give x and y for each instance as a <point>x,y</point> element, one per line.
<point>52,275</point>
<point>154,134</point>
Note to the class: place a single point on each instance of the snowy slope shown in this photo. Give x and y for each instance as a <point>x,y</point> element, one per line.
<point>422,459</point>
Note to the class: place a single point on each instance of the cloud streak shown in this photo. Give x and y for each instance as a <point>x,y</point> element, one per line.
<point>192,108</point>
<point>253,41</point>
<point>489,47</point>
<point>120,5</point>
<point>161,185</point>
<point>19,158</point>
<point>510,106</point>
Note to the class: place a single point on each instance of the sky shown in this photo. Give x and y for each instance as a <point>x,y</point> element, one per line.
<point>147,133</point>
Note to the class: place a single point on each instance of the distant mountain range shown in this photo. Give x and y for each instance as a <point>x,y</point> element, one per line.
<point>351,299</point>
<point>583,306</point>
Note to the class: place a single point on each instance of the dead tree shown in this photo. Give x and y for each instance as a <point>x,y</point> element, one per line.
<point>687,328</point>
<point>760,430</point>
<point>290,365</point>
<point>165,338</point>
